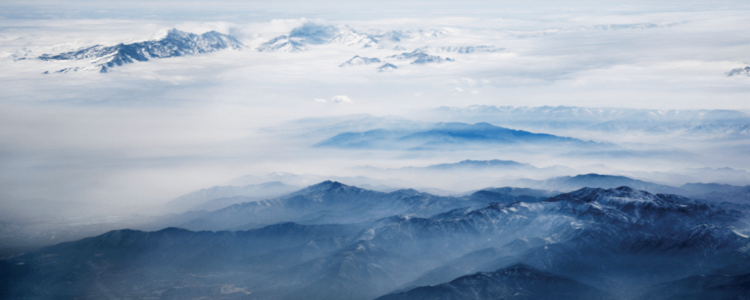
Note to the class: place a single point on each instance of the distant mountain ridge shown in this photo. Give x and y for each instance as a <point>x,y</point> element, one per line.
<point>443,135</point>
<point>697,123</point>
<point>174,43</point>
<point>707,191</point>
<point>333,202</point>
<point>569,183</point>
<point>206,199</point>
<point>467,164</point>
<point>483,164</point>
<point>310,34</point>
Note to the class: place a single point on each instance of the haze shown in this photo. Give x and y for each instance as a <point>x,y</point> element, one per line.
<point>86,143</point>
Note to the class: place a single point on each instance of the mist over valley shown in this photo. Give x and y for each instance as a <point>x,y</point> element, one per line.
<point>356,150</point>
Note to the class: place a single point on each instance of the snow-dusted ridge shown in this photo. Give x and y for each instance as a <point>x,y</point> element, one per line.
<point>301,38</point>
<point>420,57</point>
<point>173,43</point>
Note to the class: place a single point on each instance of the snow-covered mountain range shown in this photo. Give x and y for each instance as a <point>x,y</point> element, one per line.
<point>300,38</point>
<point>174,43</point>
<point>101,58</point>
<point>303,38</point>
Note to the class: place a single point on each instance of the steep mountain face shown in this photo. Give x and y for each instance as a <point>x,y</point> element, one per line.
<point>514,282</point>
<point>621,240</point>
<point>175,43</point>
<point>443,135</point>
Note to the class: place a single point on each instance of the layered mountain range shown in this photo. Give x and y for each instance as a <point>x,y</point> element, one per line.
<point>102,58</point>
<point>350,243</point>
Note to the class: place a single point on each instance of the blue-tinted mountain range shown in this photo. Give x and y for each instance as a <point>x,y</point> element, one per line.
<point>448,135</point>
<point>624,242</point>
<point>694,123</point>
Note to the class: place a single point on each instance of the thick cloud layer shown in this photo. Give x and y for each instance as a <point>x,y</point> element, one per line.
<point>150,131</point>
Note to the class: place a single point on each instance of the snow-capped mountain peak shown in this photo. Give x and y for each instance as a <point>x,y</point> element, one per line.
<point>173,43</point>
